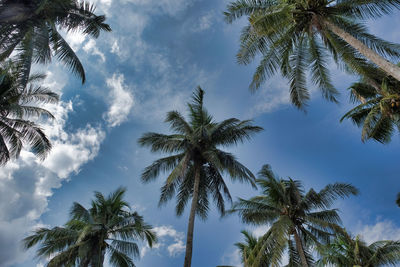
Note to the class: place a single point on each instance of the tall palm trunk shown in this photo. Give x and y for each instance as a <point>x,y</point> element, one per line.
<point>189,238</point>
<point>381,62</point>
<point>98,257</point>
<point>300,250</point>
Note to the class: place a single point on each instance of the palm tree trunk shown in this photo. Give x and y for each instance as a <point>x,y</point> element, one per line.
<point>189,238</point>
<point>367,52</point>
<point>103,253</point>
<point>300,249</point>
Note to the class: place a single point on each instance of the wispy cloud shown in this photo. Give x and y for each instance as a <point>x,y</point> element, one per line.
<point>90,47</point>
<point>170,7</point>
<point>120,101</point>
<point>204,22</point>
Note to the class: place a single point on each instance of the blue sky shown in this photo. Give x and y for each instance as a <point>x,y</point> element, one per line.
<point>158,52</point>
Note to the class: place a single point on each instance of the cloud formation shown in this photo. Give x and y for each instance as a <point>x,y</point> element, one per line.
<point>27,183</point>
<point>381,230</point>
<point>169,239</point>
<point>120,101</point>
<point>90,47</point>
<point>170,7</point>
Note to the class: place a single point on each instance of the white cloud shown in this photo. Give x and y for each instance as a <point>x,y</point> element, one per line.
<point>272,95</point>
<point>176,248</point>
<point>169,7</point>
<point>26,184</point>
<point>55,79</point>
<point>90,47</point>
<point>121,101</point>
<point>260,230</point>
<point>128,45</point>
<point>158,93</point>
<point>102,3</point>
<point>232,258</point>
<point>204,23</point>
<point>103,7</point>
<point>115,49</point>
<point>168,238</point>
<point>382,230</point>
<point>75,40</point>
<point>67,156</point>
<point>158,75</point>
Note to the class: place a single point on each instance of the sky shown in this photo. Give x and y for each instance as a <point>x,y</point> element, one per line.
<point>158,52</point>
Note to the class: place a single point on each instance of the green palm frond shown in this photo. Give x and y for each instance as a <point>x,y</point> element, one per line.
<point>107,227</point>
<point>197,141</point>
<point>161,165</point>
<point>19,101</point>
<point>367,9</point>
<point>319,71</point>
<point>345,250</point>
<point>378,112</point>
<point>295,38</point>
<point>298,91</point>
<point>196,166</point>
<point>163,143</point>
<point>32,35</point>
<point>65,54</point>
<point>291,212</point>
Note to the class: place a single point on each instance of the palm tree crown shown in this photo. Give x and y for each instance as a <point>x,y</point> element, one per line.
<point>31,30</point>
<point>378,112</point>
<point>198,164</point>
<point>348,251</point>
<point>108,227</point>
<point>17,103</point>
<point>247,249</point>
<point>292,213</point>
<point>296,36</point>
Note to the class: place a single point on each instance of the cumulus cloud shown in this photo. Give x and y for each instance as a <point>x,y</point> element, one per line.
<point>78,41</point>
<point>120,101</point>
<point>91,48</point>
<point>381,230</point>
<point>160,75</point>
<point>169,239</point>
<point>75,40</point>
<point>26,184</point>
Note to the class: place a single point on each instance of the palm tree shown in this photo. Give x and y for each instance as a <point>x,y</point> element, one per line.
<point>17,103</point>
<point>248,251</point>
<point>378,109</point>
<point>107,227</point>
<point>296,36</point>
<point>298,220</point>
<point>348,251</point>
<point>197,163</point>
<point>30,28</point>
